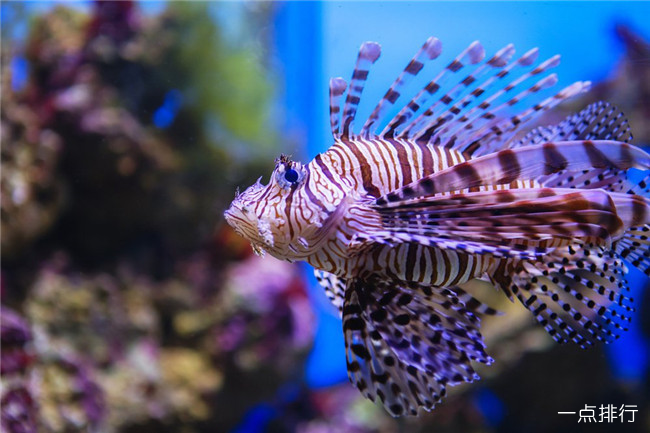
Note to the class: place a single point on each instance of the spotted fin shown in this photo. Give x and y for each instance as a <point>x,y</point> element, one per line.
<point>405,344</point>
<point>609,179</point>
<point>334,287</point>
<point>635,247</point>
<point>599,121</point>
<point>578,293</point>
<point>530,162</point>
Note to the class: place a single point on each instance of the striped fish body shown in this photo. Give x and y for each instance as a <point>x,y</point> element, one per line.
<point>364,170</point>
<point>394,221</point>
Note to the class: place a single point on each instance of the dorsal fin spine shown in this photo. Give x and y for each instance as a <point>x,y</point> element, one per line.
<point>368,54</point>
<point>337,89</point>
<point>429,51</point>
<point>469,54</point>
<point>422,122</point>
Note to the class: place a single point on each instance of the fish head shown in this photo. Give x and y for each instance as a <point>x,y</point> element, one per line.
<point>272,217</point>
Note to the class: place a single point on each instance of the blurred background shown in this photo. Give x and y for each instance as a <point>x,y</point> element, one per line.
<point>127,302</point>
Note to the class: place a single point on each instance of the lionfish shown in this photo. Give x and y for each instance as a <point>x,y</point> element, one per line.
<point>449,191</point>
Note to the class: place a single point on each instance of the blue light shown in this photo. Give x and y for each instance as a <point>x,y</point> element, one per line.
<point>256,419</point>
<point>629,356</point>
<point>490,406</point>
<point>326,362</point>
<point>166,113</point>
<point>19,73</point>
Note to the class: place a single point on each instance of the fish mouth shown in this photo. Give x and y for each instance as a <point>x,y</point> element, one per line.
<point>235,218</point>
<point>240,220</point>
<point>230,219</point>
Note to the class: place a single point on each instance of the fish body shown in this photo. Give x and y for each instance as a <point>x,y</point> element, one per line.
<point>393,222</point>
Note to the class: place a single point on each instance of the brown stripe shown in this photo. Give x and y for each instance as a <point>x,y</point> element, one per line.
<point>468,80</point>
<point>352,99</point>
<point>546,192</point>
<point>509,166</point>
<point>446,267</point>
<point>537,70</point>
<point>626,156</point>
<point>639,210</point>
<point>432,87</point>
<point>390,166</point>
<point>596,157</point>
<point>427,161</point>
<point>497,61</point>
<point>467,173</point>
<point>358,74</point>
<point>287,209</point>
<point>462,266</point>
<point>469,150</point>
<point>312,197</point>
<point>504,196</point>
<point>409,265</point>
<point>424,271</point>
<point>414,67</point>
<point>404,162</point>
<point>366,173</point>
<point>325,170</point>
<point>455,66</point>
<point>554,161</point>
<point>477,92</point>
<point>391,96</point>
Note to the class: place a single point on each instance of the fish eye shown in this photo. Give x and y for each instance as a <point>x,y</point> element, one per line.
<point>291,175</point>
